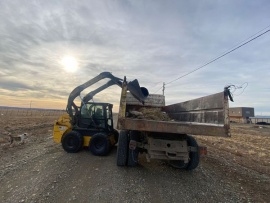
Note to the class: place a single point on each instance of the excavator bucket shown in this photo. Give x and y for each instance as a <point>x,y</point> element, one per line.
<point>138,92</point>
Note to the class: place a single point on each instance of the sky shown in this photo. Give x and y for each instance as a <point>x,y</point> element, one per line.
<point>48,48</point>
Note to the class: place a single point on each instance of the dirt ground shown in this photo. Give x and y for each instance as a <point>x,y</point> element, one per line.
<point>236,169</point>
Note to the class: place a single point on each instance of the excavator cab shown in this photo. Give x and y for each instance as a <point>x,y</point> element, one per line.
<point>96,115</point>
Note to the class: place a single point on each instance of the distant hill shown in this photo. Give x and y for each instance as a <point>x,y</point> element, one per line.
<point>12,107</point>
<point>261,117</point>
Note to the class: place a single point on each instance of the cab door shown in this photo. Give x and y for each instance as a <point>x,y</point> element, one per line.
<point>109,117</point>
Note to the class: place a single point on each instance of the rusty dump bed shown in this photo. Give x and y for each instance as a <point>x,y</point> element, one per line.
<point>203,116</point>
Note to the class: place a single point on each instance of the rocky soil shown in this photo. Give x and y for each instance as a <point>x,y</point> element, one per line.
<point>236,169</point>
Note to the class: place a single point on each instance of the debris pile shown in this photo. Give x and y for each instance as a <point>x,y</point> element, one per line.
<point>150,114</point>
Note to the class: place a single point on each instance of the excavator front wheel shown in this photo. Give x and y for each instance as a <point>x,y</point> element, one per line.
<point>72,142</point>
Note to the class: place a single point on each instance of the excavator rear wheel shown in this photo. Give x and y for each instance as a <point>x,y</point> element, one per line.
<point>100,144</point>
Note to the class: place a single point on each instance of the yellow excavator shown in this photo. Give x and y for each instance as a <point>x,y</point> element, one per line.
<point>91,124</point>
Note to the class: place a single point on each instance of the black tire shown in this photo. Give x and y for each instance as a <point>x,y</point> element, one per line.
<point>133,154</point>
<point>72,142</point>
<point>122,149</point>
<point>178,164</point>
<point>100,144</point>
<point>115,135</point>
<point>194,157</point>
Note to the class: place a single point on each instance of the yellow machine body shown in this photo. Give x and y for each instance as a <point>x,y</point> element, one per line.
<point>62,126</point>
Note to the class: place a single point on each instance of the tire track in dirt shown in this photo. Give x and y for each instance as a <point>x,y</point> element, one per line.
<point>86,178</point>
<point>40,171</point>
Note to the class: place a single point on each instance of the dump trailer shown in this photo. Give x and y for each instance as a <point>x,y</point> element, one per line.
<point>171,139</point>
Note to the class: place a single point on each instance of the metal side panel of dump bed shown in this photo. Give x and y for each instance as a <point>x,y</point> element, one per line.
<point>174,127</point>
<point>207,115</point>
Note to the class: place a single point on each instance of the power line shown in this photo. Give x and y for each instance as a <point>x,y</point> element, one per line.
<point>158,89</point>
<point>221,55</point>
<point>249,37</point>
<point>237,46</point>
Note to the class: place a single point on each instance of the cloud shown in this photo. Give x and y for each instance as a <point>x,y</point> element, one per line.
<point>14,86</point>
<point>154,42</point>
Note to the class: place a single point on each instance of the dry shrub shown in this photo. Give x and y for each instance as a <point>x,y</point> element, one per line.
<point>152,114</point>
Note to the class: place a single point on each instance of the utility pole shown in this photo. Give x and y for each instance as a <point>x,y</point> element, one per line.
<point>163,88</point>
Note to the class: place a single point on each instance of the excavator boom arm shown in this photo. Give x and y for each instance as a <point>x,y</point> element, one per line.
<point>134,88</point>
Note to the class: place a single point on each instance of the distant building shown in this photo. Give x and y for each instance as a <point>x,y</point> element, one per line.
<point>241,114</point>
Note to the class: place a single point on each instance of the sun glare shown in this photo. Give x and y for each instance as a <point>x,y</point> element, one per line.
<point>70,64</point>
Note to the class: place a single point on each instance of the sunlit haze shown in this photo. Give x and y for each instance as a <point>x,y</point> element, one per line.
<point>69,63</point>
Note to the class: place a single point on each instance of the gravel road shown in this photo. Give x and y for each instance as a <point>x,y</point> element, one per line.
<point>40,171</point>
